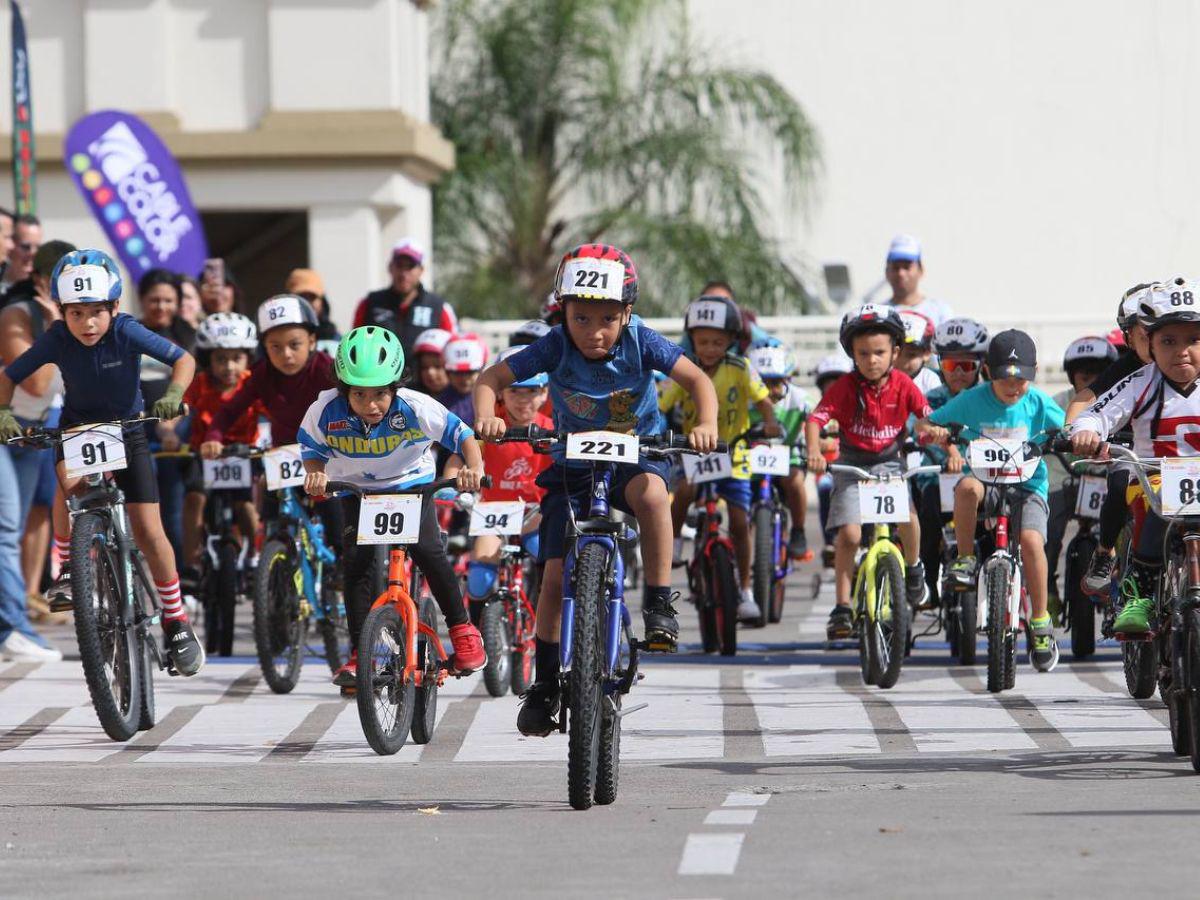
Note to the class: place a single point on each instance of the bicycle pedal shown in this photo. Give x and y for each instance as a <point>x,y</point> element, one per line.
<point>348,691</point>
<point>658,644</point>
<point>60,603</point>
<point>1143,637</point>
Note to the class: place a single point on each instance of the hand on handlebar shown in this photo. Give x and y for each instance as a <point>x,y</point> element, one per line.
<point>469,479</point>
<point>954,460</point>
<point>817,463</point>
<point>490,428</point>
<point>1085,443</point>
<point>315,483</point>
<point>9,426</point>
<point>772,429</point>
<point>703,438</point>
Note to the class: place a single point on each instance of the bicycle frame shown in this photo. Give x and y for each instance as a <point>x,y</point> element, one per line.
<point>310,542</point>
<point>864,584</point>
<point>398,595</point>
<point>712,524</point>
<point>1012,560</point>
<point>766,497</point>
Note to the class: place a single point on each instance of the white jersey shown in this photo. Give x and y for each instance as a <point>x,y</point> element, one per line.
<point>927,380</point>
<point>1165,422</point>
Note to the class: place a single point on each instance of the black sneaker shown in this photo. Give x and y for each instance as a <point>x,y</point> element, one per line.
<point>662,628</point>
<point>1099,572</point>
<point>915,586</point>
<point>798,545</point>
<point>539,709</point>
<point>186,652</point>
<point>841,624</point>
<point>59,593</point>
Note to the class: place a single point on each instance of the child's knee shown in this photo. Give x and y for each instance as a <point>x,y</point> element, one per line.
<point>849,536</point>
<point>1033,544</point>
<point>481,579</point>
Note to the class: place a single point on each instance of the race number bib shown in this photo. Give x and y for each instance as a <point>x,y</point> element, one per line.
<point>709,467</point>
<point>283,467</point>
<point>770,459</point>
<point>1092,490</point>
<point>226,474</point>
<point>990,453</point>
<point>96,448</point>
<point>389,519</point>
<point>1181,487</point>
<point>497,517</point>
<point>883,501</point>
<point>946,483</point>
<point>603,446</point>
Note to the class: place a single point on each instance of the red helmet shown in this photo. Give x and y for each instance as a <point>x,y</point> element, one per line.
<point>1116,337</point>
<point>590,272</point>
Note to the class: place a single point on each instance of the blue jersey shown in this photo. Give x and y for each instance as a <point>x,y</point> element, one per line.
<point>613,394</point>
<point>100,383</point>
<point>396,453</point>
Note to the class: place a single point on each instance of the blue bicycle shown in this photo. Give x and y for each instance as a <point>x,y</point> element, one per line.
<point>771,523</point>
<point>599,654</point>
<point>294,586</point>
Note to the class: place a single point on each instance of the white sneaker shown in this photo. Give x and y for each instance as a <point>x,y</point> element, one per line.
<point>748,609</point>
<point>677,559</point>
<point>19,648</point>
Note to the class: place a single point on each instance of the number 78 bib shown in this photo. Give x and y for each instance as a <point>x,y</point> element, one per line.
<point>883,501</point>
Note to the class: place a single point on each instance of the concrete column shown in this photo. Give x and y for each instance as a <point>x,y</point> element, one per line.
<point>344,245</point>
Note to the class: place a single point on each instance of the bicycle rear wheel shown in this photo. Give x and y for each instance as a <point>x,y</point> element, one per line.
<point>425,700</point>
<point>280,630</point>
<point>763,569</point>
<point>107,648</point>
<point>888,633</point>
<point>1191,695</point>
<point>995,581</point>
<point>723,588</point>
<point>585,693</point>
<point>1080,606</point>
<point>608,768</point>
<point>147,712</point>
<point>497,671</point>
<point>968,625</point>
<point>522,647</point>
<point>386,700</point>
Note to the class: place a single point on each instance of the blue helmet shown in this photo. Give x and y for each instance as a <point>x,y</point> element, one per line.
<point>540,380</point>
<point>85,276</point>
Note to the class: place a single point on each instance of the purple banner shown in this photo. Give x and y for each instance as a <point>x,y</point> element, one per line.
<point>136,192</point>
<point>23,157</point>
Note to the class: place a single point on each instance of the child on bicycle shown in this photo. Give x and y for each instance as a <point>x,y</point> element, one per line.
<point>1007,406</point>
<point>917,350</point>
<point>99,352</point>
<point>713,325</point>
<point>466,356</point>
<point>776,366</point>
<point>827,371</point>
<point>430,375</point>
<point>514,468</point>
<point>374,433</point>
<point>600,363</point>
<point>1160,404</point>
<point>872,405</point>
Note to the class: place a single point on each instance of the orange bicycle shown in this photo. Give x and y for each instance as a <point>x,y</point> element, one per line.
<point>401,660</point>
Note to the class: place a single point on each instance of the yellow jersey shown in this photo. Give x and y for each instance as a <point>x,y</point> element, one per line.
<point>738,388</point>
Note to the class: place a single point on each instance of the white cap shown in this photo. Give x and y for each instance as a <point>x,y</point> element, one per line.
<point>904,247</point>
<point>410,247</point>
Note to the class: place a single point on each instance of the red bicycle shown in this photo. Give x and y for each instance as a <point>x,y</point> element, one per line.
<point>713,577</point>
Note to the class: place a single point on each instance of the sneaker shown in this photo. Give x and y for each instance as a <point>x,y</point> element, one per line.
<point>347,675</point>
<point>1099,572</point>
<point>1134,617</point>
<point>915,588</point>
<point>59,593</point>
<point>538,711</point>
<point>748,610</point>
<point>39,611</point>
<point>962,572</point>
<point>798,545</point>
<point>468,647</point>
<point>662,628</point>
<point>186,652</point>
<point>1044,654</point>
<point>677,559</point>
<point>841,624</point>
<point>19,648</point>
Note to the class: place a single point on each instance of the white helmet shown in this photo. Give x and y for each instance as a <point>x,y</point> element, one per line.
<point>226,331</point>
<point>1090,347</point>
<point>431,340</point>
<point>466,353</point>
<point>1170,302</point>
<point>773,362</point>
<point>835,364</point>
<point>961,335</point>
<point>528,333</point>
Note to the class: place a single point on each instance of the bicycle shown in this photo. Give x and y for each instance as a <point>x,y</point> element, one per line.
<point>294,585</point>
<point>113,596</point>
<point>771,521</point>
<point>598,652</point>
<point>712,576</point>
<point>959,607</point>
<point>1079,608</point>
<point>880,610</point>
<point>401,660</point>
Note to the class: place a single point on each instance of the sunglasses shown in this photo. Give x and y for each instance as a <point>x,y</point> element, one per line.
<point>959,365</point>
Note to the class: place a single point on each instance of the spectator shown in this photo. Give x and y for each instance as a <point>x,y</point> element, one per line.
<point>904,272</point>
<point>190,309</point>
<point>18,271</point>
<point>406,307</point>
<point>6,241</point>
<point>215,298</point>
<point>309,284</point>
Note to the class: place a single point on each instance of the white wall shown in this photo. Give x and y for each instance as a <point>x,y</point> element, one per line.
<point>1044,150</point>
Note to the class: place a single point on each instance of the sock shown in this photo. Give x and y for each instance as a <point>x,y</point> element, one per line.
<point>545,658</point>
<point>172,600</point>
<point>63,547</point>
<point>655,595</point>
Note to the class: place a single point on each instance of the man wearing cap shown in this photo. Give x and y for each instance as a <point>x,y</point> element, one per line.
<point>904,272</point>
<point>405,307</point>
<point>309,284</point>
<point>18,269</point>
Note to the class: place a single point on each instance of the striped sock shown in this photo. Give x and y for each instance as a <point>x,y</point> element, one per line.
<point>172,600</point>
<point>62,546</point>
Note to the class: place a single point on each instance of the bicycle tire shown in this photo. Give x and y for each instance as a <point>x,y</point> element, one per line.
<point>492,625</point>
<point>763,568</point>
<point>426,696</point>
<point>523,648</point>
<point>725,599</point>
<point>385,700</point>
<point>996,585</point>
<point>889,632</point>
<point>1139,660</point>
<point>1080,608</point>
<point>584,690</point>
<point>279,629</point>
<point>1179,720</point>
<point>95,587</point>
<point>608,767</point>
<point>1191,643</point>
<point>226,579</point>
<point>778,594</point>
<point>868,662</point>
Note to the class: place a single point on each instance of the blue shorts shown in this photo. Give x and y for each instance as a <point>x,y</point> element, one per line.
<point>552,533</point>
<point>735,491</point>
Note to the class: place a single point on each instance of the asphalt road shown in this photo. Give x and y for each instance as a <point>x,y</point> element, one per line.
<point>775,774</point>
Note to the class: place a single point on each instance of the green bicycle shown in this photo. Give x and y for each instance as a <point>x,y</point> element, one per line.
<point>879,603</point>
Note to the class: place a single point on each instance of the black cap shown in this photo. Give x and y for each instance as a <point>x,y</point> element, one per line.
<point>1012,354</point>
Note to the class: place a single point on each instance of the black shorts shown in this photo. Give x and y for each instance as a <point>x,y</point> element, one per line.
<point>137,480</point>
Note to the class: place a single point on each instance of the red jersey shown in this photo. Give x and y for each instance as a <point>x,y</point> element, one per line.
<point>871,418</point>
<point>205,399</point>
<point>514,468</point>
<point>284,398</point>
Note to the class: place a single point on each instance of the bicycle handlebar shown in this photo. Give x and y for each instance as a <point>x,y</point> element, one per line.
<point>657,443</point>
<point>864,475</point>
<point>425,490</point>
<point>36,433</point>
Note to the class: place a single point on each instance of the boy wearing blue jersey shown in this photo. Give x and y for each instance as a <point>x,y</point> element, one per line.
<point>601,362</point>
<point>373,433</point>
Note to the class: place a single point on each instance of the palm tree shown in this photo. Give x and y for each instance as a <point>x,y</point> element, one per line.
<point>584,120</point>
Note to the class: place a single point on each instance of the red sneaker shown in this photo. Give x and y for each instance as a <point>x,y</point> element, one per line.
<point>468,647</point>
<point>347,675</point>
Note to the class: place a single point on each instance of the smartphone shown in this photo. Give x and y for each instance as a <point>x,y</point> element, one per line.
<point>214,271</point>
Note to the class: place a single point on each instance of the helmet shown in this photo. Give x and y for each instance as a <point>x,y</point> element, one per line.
<point>465,353</point>
<point>540,380</point>
<point>1116,337</point>
<point>226,331</point>
<point>1167,303</point>
<point>961,335</point>
<point>773,362</point>
<point>369,356</point>
<point>1089,348</point>
<point>286,309</point>
<point>713,311</point>
<point>918,328</point>
<point>832,366</point>
<point>1127,311</point>
<point>596,272</point>
<point>528,333</point>
<point>431,340</point>
<point>85,276</point>
<point>870,317</point>
<point>551,307</point>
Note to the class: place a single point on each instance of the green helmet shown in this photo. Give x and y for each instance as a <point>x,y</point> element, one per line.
<point>369,356</point>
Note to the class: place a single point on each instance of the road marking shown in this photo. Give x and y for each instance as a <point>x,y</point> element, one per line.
<point>1110,684</point>
<point>32,727</point>
<point>942,717</point>
<point>711,854</point>
<point>731,817</point>
<point>803,713</point>
<point>885,721</point>
<point>745,798</point>
<point>1087,717</point>
<point>304,737</point>
<point>743,732</point>
<point>14,673</point>
<point>453,725</point>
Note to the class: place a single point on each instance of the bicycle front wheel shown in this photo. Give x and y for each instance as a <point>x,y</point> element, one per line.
<point>385,698</point>
<point>763,569</point>
<point>996,584</point>
<point>888,633</point>
<point>493,625</point>
<point>585,690</point>
<point>279,628</point>
<point>107,648</point>
<point>723,589</point>
<point>425,697</point>
<point>1191,695</point>
<point>1140,661</point>
<point>1079,605</point>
